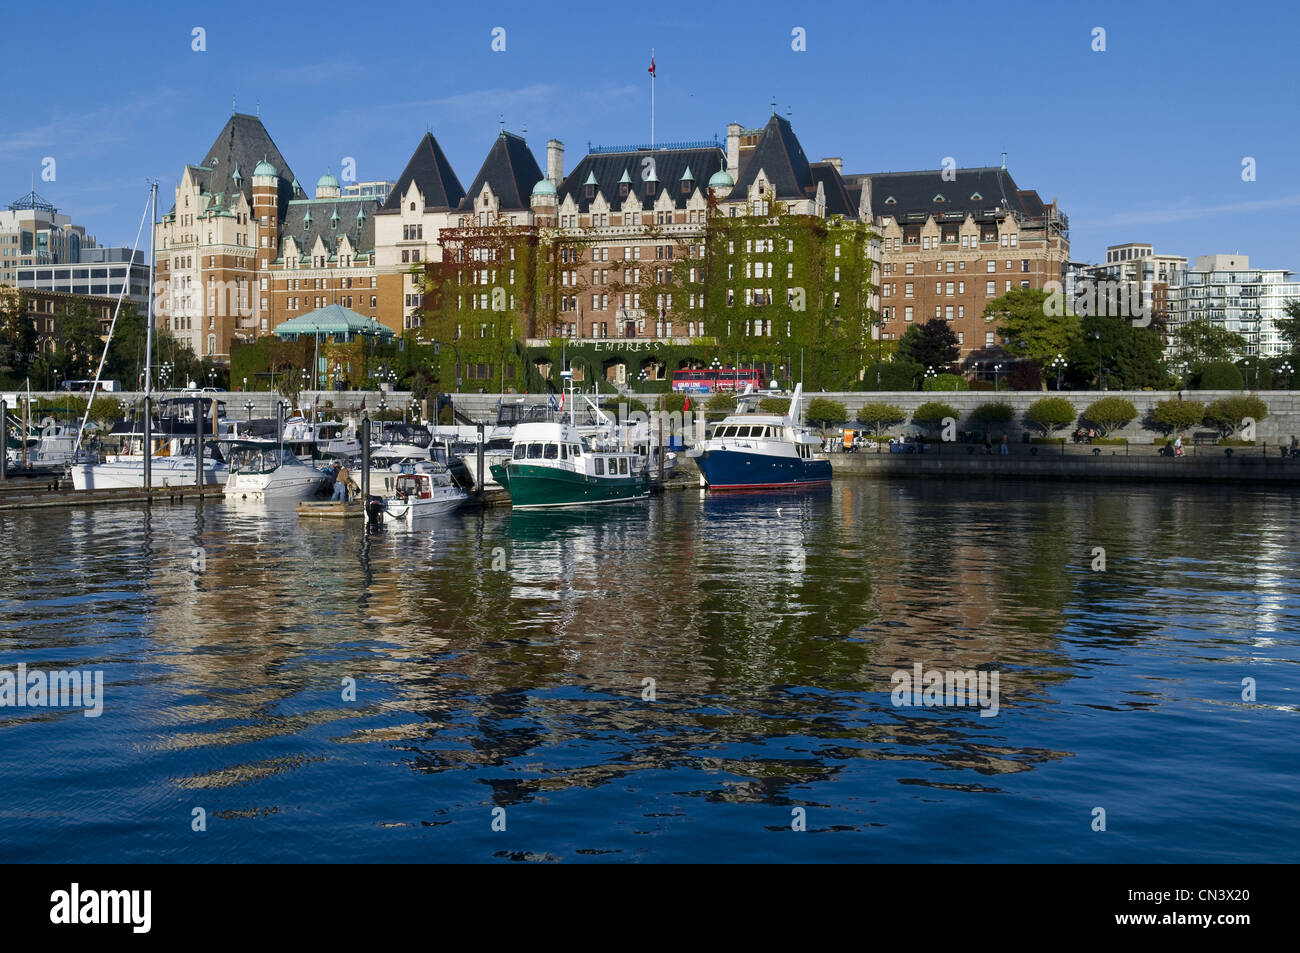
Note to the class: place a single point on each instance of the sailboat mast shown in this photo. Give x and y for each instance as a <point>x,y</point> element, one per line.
<point>148,346</point>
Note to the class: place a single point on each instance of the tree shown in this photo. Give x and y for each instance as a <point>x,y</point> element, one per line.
<point>987,415</point>
<point>1049,414</point>
<point>1028,325</point>
<point>1024,375</point>
<point>931,414</point>
<point>1289,327</point>
<point>1257,372</point>
<point>80,344</point>
<point>17,335</point>
<point>1132,356</point>
<point>779,406</point>
<point>898,374</point>
<point>880,416</point>
<point>1230,414</point>
<point>824,412</point>
<point>1202,342</point>
<point>932,344</point>
<point>1219,375</point>
<point>1175,416</point>
<point>1110,413</point>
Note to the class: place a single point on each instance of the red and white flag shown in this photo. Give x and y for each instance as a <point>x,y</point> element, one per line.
<point>651,70</point>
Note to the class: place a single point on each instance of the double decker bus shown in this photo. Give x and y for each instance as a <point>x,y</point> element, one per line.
<point>709,380</point>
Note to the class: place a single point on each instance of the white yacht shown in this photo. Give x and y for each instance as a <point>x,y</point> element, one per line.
<point>271,472</point>
<point>417,491</point>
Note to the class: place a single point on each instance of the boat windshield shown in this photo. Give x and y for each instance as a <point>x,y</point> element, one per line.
<point>259,459</point>
<point>413,486</point>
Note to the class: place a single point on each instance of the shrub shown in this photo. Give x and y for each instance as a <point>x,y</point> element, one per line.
<point>930,415</point>
<point>823,411</point>
<point>1219,375</point>
<point>881,416</point>
<point>721,403</point>
<point>1024,375</point>
<point>1049,414</point>
<point>949,382</point>
<point>1175,416</point>
<point>896,374</point>
<point>1229,414</point>
<point>775,405</point>
<point>994,412</point>
<point>1110,413</point>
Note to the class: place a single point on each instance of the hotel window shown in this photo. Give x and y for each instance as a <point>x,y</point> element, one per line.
<point>992,267</point>
<point>937,312</point>
<point>1008,288</point>
<point>1024,284</point>
<point>1024,264</point>
<point>1013,240</point>
<point>991,289</point>
<point>1008,264</point>
<point>961,337</point>
<point>909,268</point>
<point>988,338</point>
<point>907,290</point>
<point>961,287</point>
<point>948,289</point>
<point>1006,241</point>
<point>837,270</point>
<point>951,267</point>
<point>907,314</point>
<point>947,313</point>
<point>938,287</point>
<point>961,311</point>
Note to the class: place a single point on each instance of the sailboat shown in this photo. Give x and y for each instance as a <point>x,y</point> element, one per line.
<point>177,465</point>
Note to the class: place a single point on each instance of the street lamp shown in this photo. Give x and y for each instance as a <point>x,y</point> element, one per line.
<point>997,370</point>
<point>1100,370</point>
<point>1059,363</point>
<point>929,372</point>
<point>248,408</point>
<point>245,383</point>
<point>1285,368</point>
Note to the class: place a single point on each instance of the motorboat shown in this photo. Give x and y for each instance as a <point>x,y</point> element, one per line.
<point>416,492</point>
<point>269,471</point>
<point>749,451</point>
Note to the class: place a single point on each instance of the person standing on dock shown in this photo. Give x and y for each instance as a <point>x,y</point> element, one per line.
<point>341,475</point>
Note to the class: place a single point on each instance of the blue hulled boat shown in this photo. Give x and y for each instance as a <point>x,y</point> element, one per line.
<point>752,451</point>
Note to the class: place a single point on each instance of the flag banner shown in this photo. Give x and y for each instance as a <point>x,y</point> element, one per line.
<point>651,70</point>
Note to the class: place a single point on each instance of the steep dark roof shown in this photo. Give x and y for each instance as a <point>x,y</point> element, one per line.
<point>977,191</point>
<point>779,154</point>
<point>432,175</point>
<point>839,200</point>
<point>360,231</point>
<point>241,145</point>
<point>510,170</point>
<point>670,165</point>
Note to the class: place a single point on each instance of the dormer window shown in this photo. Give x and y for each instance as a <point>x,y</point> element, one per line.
<point>591,191</point>
<point>976,197</point>
<point>891,201</point>
<point>939,198</point>
<point>622,190</point>
<point>412,206</point>
<point>686,187</point>
<point>649,188</point>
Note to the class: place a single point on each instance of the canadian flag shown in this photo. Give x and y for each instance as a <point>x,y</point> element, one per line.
<point>651,71</point>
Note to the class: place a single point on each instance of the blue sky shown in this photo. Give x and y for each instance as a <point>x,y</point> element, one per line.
<point>1142,142</point>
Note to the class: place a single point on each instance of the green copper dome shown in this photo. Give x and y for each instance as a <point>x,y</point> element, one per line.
<point>327,181</point>
<point>544,187</point>
<point>721,178</point>
<point>265,168</point>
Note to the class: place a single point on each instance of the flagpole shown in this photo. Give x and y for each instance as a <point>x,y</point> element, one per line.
<point>652,98</point>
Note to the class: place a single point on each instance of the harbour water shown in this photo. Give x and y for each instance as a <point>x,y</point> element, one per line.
<point>501,661</point>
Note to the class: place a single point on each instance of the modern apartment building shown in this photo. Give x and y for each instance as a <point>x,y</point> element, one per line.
<point>33,232</point>
<point>1228,292</point>
<point>98,271</point>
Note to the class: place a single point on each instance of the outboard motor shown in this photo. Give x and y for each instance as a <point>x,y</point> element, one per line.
<point>375,508</point>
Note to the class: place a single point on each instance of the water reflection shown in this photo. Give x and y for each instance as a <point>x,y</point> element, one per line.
<point>504,659</point>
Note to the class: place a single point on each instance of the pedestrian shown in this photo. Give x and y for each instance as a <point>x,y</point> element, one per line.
<point>988,444</point>
<point>340,483</point>
<point>1295,446</point>
<point>1178,446</point>
<point>1005,449</point>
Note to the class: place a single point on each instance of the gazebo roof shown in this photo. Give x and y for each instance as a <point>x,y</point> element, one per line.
<point>331,319</point>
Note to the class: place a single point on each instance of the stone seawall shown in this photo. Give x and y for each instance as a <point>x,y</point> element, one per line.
<point>954,461</point>
<point>1282,421</point>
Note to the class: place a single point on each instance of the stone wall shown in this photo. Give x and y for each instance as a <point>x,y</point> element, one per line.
<point>1282,421</point>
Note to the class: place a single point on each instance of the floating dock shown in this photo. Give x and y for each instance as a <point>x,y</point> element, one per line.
<point>332,509</point>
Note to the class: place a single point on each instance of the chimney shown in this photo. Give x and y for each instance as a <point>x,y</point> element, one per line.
<point>733,150</point>
<point>836,161</point>
<point>555,162</point>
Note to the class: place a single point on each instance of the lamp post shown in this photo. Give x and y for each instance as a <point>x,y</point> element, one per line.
<point>1058,363</point>
<point>415,411</point>
<point>1100,370</point>
<point>1285,368</point>
<point>880,349</point>
<point>997,370</point>
<point>248,408</point>
<point>245,384</point>
<point>929,372</point>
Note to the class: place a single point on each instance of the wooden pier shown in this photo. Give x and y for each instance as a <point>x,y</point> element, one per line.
<point>331,509</point>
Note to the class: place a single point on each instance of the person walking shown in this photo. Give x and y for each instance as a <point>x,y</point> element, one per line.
<point>1178,446</point>
<point>1005,449</point>
<point>988,444</point>
<point>1295,446</point>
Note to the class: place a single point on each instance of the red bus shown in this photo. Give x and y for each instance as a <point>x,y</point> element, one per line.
<point>708,380</point>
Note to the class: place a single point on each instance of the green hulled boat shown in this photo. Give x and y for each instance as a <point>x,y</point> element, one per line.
<point>552,465</point>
